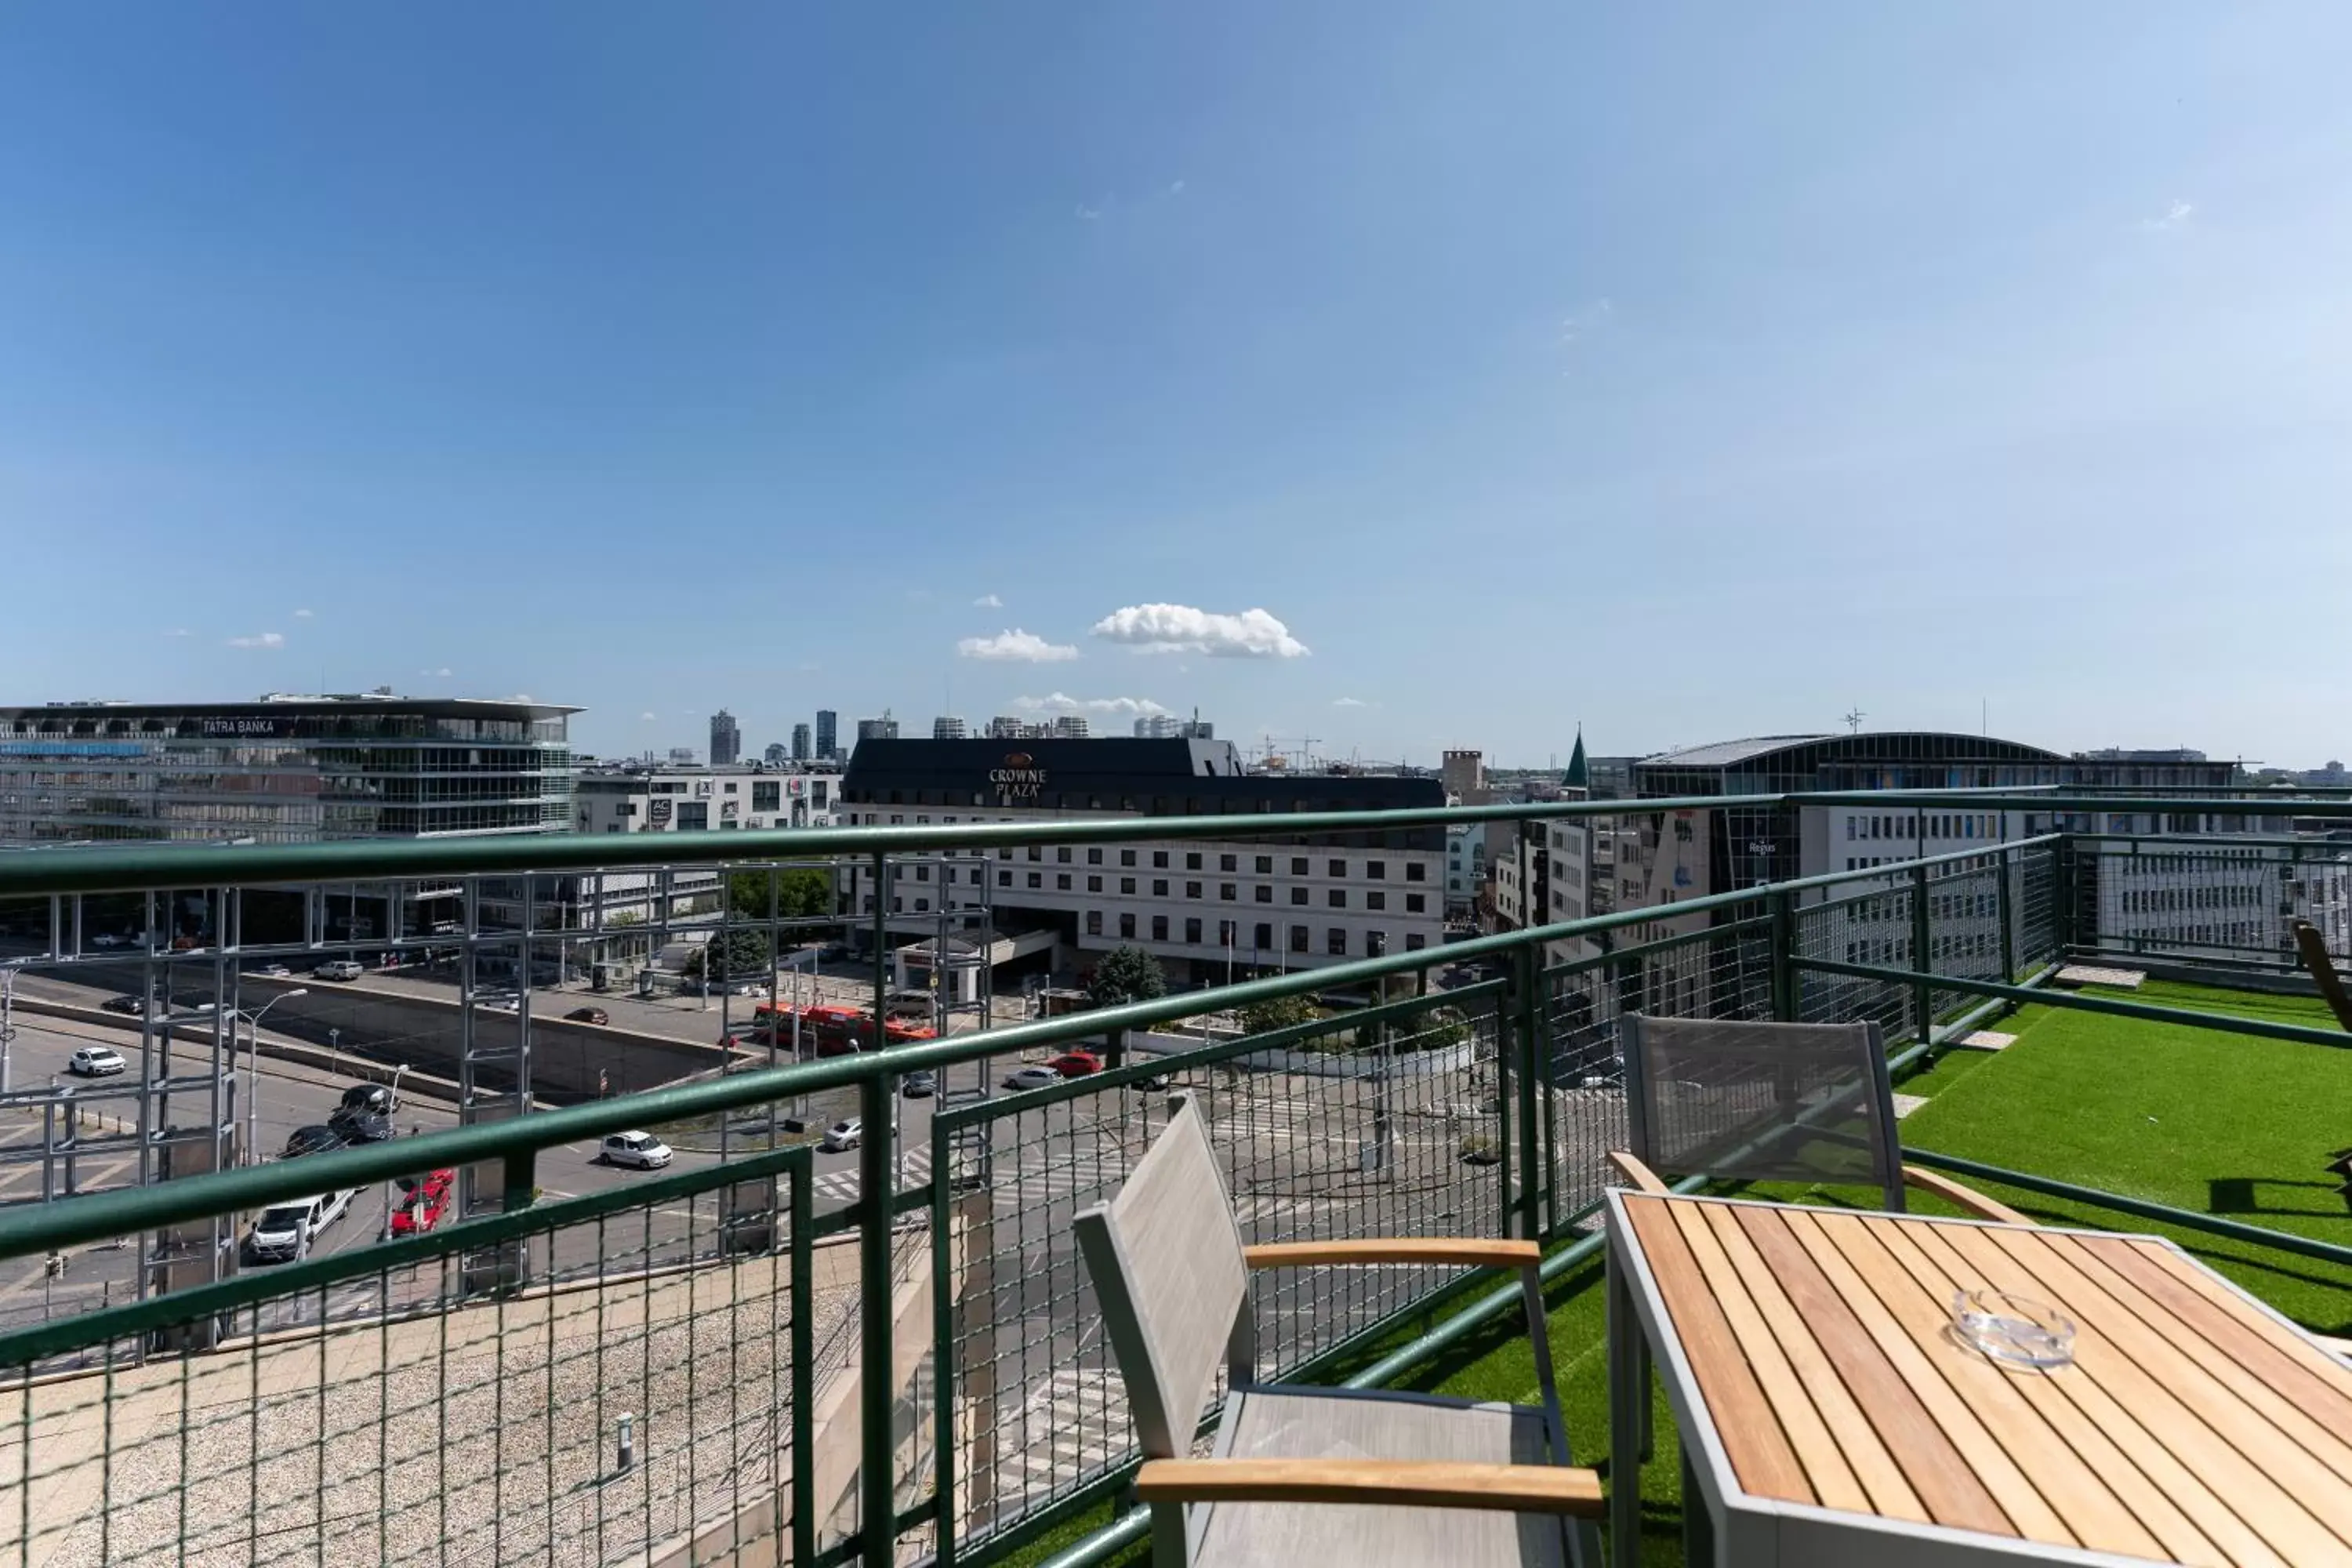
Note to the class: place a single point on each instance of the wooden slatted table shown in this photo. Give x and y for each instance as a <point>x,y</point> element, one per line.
<point>1830,1416</point>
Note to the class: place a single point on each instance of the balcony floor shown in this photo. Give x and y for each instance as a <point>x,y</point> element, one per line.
<point>2218,1123</point>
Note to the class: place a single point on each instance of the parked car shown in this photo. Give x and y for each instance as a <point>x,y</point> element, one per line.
<point>312,1140</point>
<point>423,1201</point>
<point>282,1234</point>
<point>133,1006</point>
<point>1033,1076</point>
<point>274,972</point>
<point>1156,1082</point>
<point>641,1150</point>
<point>844,1135</point>
<point>376,1096</point>
<point>588,1015</point>
<point>1075,1063</point>
<point>97,1061</point>
<point>109,939</point>
<point>338,969</point>
<point>832,952</point>
<point>364,1114</point>
<point>919,1086</point>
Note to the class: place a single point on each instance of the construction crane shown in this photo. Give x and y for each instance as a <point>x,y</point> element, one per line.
<point>1279,759</point>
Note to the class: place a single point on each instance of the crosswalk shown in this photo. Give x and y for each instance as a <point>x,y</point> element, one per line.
<point>1071,1425</point>
<point>841,1187</point>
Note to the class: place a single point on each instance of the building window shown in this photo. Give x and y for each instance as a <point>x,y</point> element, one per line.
<point>1298,939</point>
<point>1229,862</point>
<point>1298,864</point>
<point>1127,927</point>
<point>1376,944</point>
<point>1127,884</point>
<point>1262,938</point>
<point>1036,852</point>
<point>1376,899</point>
<point>1036,878</point>
<point>1414,871</point>
<point>1191,860</point>
<point>1159,886</point>
<point>1159,859</point>
<point>1192,934</point>
<point>1298,894</point>
<point>1094,856</point>
<point>1376,870</point>
<point>1338,867</point>
<point>1062,853</point>
<point>922,873</point>
<point>1093,883</point>
<point>1192,889</point>
<point>1094,923</point>
<point>1335,942</point>
<point>922,906</point>
<point>1415,941</point>
<point>1263,893</point>
<point>1265,865</point>
<point>1416,903</point>
<point>1061,881</point>
<point>1160,928</point>
<point>1127,856</point>
<point>1004,878</point>
<point>1339,898</point>
<point>1228,891</point>
<point>1226,932</point>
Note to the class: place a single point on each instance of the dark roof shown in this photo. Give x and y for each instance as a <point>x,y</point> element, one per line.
<point>1726,753</point>
<point>298,706</point>
<point>1579,775</point>
<point>1113,769</point>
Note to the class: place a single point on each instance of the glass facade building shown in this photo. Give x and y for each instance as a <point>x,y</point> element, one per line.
<point>283,770</point>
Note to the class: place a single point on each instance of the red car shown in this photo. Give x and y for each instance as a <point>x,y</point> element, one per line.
<point>1075,1063</point>
<point>423,1201</point>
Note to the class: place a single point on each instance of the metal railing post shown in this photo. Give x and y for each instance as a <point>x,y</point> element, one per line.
<point>1784,948</point>
<point>2011,864</point>
<point>804,1353</point>
<point>876,1489</point>
<point>1530,1021</point>
<point>1922,933</point>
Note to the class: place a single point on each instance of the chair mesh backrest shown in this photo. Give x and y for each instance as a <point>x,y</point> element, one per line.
<point>1761,1101</point>
<point>1165,1259</point>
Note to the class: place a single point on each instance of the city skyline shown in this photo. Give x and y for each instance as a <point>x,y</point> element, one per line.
<point>1399,378</point>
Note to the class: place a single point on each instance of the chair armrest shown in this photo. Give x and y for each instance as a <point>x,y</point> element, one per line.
<point>1638,1177</point>
<point>1467,1252</point>
<point>1965,1198</point>
<point>1398,1483</point>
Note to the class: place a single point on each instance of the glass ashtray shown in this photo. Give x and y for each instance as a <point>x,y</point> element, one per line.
<point>2016,1330</point>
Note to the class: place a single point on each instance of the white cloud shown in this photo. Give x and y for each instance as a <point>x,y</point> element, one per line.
<point>301,614</point>
<point>1180,629</point>
<point>260,639</point>
<point>1349,702</point>
<point>2177,216</point>
<point>646,717</point>
<point>988,602</point>
<point>1020,646</point>
<point>443,671</point>
<point>1063,702</point>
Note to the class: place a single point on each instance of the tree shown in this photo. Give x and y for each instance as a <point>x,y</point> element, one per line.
<point>1277,1012</point>
<point>1126,974</point>
<point>743,952</point>
<point>802,892</point>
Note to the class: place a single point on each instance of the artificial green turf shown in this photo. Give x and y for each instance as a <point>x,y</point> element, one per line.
<point>2200,1119</point>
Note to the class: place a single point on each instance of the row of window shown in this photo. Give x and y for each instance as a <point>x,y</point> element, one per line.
<point>2165,900</point>
<point>1227,892</point>
<point>1934,824</point>
<point>1161,859</point>
<point>1262,936</point>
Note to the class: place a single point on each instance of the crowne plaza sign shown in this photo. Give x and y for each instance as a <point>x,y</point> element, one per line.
<point>1019,782</point>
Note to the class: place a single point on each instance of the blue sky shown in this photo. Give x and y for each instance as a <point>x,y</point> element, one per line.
<point>1684,370</point>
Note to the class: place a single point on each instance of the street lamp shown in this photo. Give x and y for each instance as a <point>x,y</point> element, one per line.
<point>253,1067</point>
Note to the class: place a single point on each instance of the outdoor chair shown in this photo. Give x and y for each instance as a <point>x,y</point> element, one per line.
<point>1801,1102</point>
<point>1302,1474</point>
<point>2313,945</point>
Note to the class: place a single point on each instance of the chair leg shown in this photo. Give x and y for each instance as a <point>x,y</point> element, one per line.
<point>1582,1536</point>
<point>1699,1525</point>
<point>1629,1392</point>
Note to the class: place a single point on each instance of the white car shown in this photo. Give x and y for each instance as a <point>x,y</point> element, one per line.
<point>97,1061</point>
<point>338,969</point>
<point>285,1232</point>
<point>109,939</point>
<point>641,1150</point>
<point>274,972</point>
<point>843,1135</point>
<point>1036,1075</point>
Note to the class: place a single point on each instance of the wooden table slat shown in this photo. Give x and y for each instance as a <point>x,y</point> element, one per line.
<point>2177,1507</point>
<point>1944,1483</point>
<point>2005,1443</point>
<point>2323,1396</point>
<point>1826,1470</point>
<point>1874,1467</point>
<point>2265,1477</point>
<point>2298,1348</point>
<point>1751,1436</point>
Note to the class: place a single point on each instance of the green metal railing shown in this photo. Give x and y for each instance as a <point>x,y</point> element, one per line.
<point>1490,1105</point>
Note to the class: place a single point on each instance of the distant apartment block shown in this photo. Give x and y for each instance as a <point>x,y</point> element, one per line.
<point>726,740</point>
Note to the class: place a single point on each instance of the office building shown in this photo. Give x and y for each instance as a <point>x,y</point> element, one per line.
<point>946,729</point>
<point>1464,774</point>
<point>285,769</point>
<point>682,757</point>
<point>726,740</point>
<point>1169,727</point>
<point>801,753</point>
<point>1257,905</point>
<point>885,727</point>
<point>775,755</point>
<point>633,798</point>
<point>828,745</point>
<point>1070,727</point>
